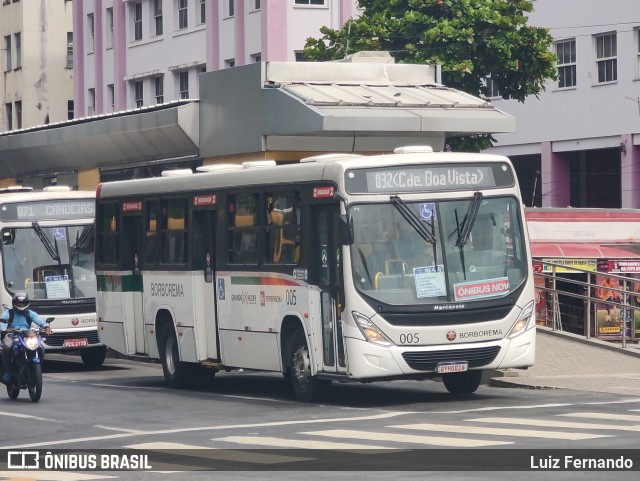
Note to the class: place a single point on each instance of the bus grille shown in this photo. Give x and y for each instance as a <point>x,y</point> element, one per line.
<point>427,360</point>
<point>57,339</point>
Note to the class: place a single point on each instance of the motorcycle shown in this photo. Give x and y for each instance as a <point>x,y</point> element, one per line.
<point>27,354</point>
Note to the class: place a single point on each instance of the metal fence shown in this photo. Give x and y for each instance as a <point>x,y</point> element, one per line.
<point>588,303</point>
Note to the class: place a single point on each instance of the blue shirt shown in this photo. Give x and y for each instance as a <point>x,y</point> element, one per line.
<point>20,321</point>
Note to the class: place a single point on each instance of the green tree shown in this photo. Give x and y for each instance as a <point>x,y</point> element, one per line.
<point>470,39</point>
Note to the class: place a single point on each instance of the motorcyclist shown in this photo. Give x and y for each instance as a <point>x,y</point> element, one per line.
<point>19,317</point>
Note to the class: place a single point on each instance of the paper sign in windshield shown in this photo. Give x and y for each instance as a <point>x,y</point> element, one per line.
<point>57,287</point>
<point>430,281</point>
<point>466,291</point>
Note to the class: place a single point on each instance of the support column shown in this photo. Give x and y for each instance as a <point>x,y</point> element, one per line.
<point>555,171</point>
<point>629,173</point>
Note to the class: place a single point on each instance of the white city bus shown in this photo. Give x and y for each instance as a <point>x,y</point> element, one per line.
<point>342,267</point>
<point>47,252</point>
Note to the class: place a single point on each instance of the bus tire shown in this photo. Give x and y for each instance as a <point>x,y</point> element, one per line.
<point>93,357</point>
<point>175,372</point>
<point>307,388</point>
<point>462,382</point>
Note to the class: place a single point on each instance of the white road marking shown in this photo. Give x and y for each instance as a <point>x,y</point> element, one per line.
<point>50,476</point>
<point>205,428</point>
<point>27,416</point>
<point>222,454</point>
<point>616,417</point>
<point>485,430</point>
<point>555,424</point>
<point>274,442</point>
<point>407,438</point>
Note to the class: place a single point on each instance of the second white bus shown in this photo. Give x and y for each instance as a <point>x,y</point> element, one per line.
<point>342,267</point>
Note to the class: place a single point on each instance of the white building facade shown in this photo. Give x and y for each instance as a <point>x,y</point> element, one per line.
<point>138,53</point>
<point>578,144</point>
<point>37,63</point>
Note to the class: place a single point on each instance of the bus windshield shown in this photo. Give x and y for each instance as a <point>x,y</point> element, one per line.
<point>49,262</point>
<point>453,251</point>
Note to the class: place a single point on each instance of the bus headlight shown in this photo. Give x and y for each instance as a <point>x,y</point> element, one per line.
<point>526,320</point>
<point>369,330</point>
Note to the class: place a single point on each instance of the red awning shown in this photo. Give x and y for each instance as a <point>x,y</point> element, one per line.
<point>579,250</point>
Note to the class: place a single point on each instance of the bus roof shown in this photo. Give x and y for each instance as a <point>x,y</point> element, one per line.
<point>325,168</point>
<point>9,196</point>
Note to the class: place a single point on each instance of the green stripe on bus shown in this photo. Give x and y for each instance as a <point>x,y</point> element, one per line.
<point>118,283</point>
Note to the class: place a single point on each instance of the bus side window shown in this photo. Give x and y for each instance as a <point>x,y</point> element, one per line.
<point>243,232</point>
<point>174,214</point>
<point>152,239</point>
<point>284,233</point>
<point>108,231</point>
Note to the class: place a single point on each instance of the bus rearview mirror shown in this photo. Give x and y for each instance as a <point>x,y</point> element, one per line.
<point>346,230</point>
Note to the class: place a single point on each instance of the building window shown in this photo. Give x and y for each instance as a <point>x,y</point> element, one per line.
<point>19,114</point>
<point>230,63</point>
<point>183,14</point>
<point>137,21</point>
<point>203,12</point>
<point>91,104</point>
<point>309,2</point>
<point>138,93</point>
<point>69,50</point>
<point>109,27</point>
<point>9,113</point>
<point>184,85</point>
<point>70,109</point>
<point>256,57</point>
<point>91,33</point>
<point>159,88</point>
<point>300,56</point>
<point>566,53</point>
<point>231,8</point>
<point>7,53</point>
<point>157,16</point>
<point>17,37</point>
<point>606,57</point>
<point>111,97</point>
<point>492,88</point>
<point>637,32</point>
<point>256,4</point>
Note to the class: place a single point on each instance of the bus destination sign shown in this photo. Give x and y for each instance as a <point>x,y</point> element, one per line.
<point>429,178</point>
<point>48,210</point>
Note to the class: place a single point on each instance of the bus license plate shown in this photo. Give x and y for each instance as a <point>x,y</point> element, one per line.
<point>75,342</point>
<point>445,367</point>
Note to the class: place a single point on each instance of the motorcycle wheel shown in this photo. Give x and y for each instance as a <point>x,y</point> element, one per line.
<point>13,391</point>
<point>35,382</point>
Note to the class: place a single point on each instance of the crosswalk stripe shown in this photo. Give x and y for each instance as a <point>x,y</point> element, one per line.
<point>617,417</point>
<point>207,452</point>
<point>50,476</point>
<point>555,423</point>
<point>485,430</point>
<point>407,438</point>
<point>297,443</point>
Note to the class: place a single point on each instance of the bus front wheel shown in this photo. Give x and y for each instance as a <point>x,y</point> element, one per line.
<point>462,382</point>
<point>306,387</point>
<point>93,357</point>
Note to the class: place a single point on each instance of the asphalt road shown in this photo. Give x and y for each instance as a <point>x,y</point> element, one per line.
<point>224,427</point>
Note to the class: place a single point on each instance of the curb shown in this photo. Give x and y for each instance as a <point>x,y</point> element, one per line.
<point>631,351</point>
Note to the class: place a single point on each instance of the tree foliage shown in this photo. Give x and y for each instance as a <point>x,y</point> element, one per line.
<point>470,39</point>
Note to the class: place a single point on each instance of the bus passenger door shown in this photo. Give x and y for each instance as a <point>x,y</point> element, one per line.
<point>204,226</point>
<point>132,227</point>
<point>329,268</point>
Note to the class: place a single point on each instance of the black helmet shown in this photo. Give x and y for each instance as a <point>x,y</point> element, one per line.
<point>20,301</point>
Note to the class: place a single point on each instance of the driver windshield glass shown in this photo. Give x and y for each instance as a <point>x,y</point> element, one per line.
<point>30,266</point>
<point>417,253</point>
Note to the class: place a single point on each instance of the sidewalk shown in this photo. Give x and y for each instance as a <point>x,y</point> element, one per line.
<point>567,361</point>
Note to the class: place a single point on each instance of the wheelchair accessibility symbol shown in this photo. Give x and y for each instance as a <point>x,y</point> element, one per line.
<point>427,211</point>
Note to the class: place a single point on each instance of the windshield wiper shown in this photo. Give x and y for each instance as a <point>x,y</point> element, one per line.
<point>81,239</point>
<point>468,221</point>
<point>51,249</point>
<point>413,220</point>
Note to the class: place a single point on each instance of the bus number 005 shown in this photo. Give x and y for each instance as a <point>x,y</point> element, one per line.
<point>290,297</point>
<point>409,338</point>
